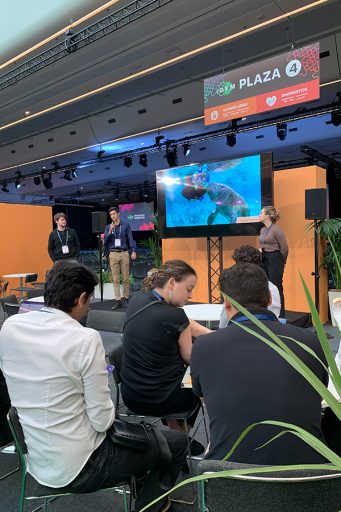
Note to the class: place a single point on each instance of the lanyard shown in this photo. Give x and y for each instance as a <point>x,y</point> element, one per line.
<point>119,235</point>
<point>262,239</point>
<point>259,316</point>
<point>67,237</point>
<point>157,295</point>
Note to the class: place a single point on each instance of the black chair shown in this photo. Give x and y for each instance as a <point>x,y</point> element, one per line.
<point>115,358</point>
<point>11,309</point>
<point>42,491</point>
<point>285,491</point>
<point>3,288</point>
<point>29,279</point>
<point>110,326</point>
<point>9,299</point>
<point>35,292</point>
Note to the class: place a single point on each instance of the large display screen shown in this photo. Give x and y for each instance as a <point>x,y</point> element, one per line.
<point>214,198</point>
<point>138,215</point>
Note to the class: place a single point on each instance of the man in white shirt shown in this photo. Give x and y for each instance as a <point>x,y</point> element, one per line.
<point>249,254</point>
<point>56,376</point>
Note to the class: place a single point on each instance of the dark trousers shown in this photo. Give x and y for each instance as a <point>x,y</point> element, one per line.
<point>273,264</point>
<point>5,404</point>
<point>112,464</point>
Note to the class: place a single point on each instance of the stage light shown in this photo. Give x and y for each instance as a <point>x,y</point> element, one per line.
<point>100,153</point>
<point>158,140</point>
<point>4,187</point>
<point>17,182</point>
<point>143,160</point>
<point>186,149</point>
<point>116,193</point>
<point>335,118</point>
<point>67,176</point>
<point>282,130</point>
<point>47,181</point>
<point>172,157</point>
<point>231,140</point>
<point>74,173</point>
<point>128,161</point>
<point>36,180</point>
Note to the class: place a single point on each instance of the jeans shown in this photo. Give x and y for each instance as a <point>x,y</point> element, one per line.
<point>112,464</point>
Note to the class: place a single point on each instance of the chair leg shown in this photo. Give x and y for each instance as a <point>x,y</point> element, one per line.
<point>190,463</point>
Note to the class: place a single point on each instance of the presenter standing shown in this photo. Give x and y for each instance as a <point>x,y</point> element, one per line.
<point>118,243</point>
<point>274,249</point>
<point>63,242</point>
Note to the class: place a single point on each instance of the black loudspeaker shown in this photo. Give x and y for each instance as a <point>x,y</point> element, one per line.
<point>99,221</point>
<point>315,203</point>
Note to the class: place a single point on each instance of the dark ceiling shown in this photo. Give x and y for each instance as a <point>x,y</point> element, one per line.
<point>138,72</point>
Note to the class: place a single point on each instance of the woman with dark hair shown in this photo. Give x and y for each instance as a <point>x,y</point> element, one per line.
<point>157,344</point>
<point>274,249</point>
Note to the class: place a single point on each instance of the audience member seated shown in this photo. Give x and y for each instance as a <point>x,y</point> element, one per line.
<point>56,375</point>
<point>157,344</point>
<point>249,254</point>
<point>243,381</point>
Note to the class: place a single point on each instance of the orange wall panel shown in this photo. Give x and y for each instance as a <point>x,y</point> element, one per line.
<point>24,231</point>
<point>289,198</point>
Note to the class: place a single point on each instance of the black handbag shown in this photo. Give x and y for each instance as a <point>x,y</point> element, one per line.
<point>130,435</point>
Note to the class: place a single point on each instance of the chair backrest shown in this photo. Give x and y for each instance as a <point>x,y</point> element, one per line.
<point>4,287</point>
<point>11,309</point>
<point>304,491</point>
<point>17,431</point>
<point>140,269</point>
<point>110,321</point>
<point>35,292</point>
<point>31,278</point>
<point>10,299</point>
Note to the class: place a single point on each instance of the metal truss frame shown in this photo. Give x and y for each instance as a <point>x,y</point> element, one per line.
<point>215,266</point>
<point>74,41</point>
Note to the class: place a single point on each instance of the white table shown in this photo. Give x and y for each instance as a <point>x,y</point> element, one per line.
<point>203,312</point>
<point>19,276</point>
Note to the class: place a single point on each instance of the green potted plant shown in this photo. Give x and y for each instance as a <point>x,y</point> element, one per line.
<point>153,243</point>
<point>330,231</point>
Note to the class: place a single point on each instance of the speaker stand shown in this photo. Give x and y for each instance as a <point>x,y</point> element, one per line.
<point>316,273</point>
<point>100,265</point>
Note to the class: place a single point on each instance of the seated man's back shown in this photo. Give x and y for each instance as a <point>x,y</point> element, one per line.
<point>244,381</point>
<point>58,358</point>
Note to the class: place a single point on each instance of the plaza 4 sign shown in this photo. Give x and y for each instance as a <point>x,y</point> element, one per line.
<point>281,81</point>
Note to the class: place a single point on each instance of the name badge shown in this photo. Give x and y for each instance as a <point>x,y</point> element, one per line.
<point>65,249</point>
<point>117,242</point>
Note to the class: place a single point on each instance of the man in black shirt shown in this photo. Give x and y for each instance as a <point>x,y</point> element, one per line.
<point>119,243</point>
<point>244,381</point>
<point>63,242</point>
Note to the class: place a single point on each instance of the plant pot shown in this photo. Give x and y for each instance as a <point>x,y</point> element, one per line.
<point>333,294</point>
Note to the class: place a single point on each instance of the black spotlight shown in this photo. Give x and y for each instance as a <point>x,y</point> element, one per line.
<point>172,157</point>
<point>143,160</point>
<point>67,176</point>
<point>231,140</point>
<point>17,182</point>
<point>74,173</point>
<point>36,180</point>
<point>128,161</point>
<point>47,181</point>
<point>282,130</point>
<point>4,187</point>
<point>158,140</point>
<point>186,149</point>
<point>100,153</point>
<point>335,118</point>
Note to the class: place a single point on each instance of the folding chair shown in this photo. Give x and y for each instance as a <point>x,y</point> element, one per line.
<point>42,491</point>
<point>11,309</point>
<point>29,279</point>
